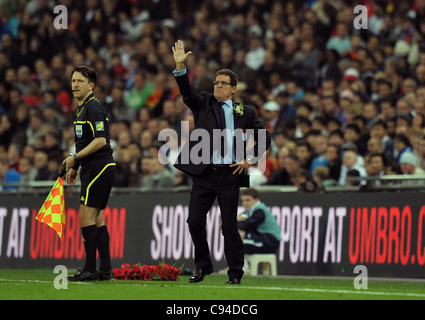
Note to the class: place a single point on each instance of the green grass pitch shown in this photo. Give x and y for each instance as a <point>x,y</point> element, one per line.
<point>38,284</point>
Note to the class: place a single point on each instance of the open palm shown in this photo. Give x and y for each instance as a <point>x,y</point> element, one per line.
<point>179,54</point>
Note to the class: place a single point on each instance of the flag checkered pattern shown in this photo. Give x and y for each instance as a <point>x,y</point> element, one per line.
<point>52,212</point>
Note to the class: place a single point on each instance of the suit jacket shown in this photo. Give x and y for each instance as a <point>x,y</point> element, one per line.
<point>208,115</point>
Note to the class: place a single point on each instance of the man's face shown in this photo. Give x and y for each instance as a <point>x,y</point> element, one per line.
<point>349,159</point>
<point>81,87</point>
<point>407,168</point>
<point>378,132</point>
<point>291,165</point>
<point>223,92</point>
<point>376,165</point>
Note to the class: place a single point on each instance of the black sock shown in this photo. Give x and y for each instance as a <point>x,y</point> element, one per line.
<point>90,239</point>
<point>103,248</point>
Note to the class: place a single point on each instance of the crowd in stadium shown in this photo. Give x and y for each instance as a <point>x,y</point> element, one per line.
<point>339,100</point>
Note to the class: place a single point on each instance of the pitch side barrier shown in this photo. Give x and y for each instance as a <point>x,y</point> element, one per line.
<point>322,234</point>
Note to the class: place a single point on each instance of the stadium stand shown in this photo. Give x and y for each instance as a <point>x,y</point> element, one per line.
<point>337,87</point>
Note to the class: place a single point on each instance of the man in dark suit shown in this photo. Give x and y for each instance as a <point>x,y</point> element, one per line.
<point>218,168</point>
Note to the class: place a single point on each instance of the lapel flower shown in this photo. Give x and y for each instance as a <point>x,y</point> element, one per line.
<point>238,110</point>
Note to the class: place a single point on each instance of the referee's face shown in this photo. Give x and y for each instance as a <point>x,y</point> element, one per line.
<point>81,88</point>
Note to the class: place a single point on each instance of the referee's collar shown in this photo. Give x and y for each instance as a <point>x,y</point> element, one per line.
<point>90,97</point>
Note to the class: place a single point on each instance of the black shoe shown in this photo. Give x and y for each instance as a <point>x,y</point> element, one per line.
<point>233,281</point>
<point>199,275</point>
<point>82,275</point>
<point>105,275</point>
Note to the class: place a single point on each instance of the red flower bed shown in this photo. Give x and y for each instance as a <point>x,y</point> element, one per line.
<point>162,271</point>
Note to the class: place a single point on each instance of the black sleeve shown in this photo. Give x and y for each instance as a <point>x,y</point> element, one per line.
<point>253,221</point>
<point>97,118</point>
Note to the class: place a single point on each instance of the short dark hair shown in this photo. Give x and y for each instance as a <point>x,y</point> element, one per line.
<point>354,127</point>
<point>87,72</point>
<point>381,123</point>
<point>233,76</point>
<point>250,192</point>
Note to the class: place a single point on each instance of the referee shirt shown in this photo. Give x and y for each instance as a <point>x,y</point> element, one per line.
<point>91,121</point>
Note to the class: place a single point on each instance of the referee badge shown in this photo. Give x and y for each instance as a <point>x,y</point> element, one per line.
<point>79,130</point>
<point>100,126</point>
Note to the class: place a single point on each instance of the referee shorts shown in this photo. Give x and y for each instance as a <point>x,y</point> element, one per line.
<point>97,178</point>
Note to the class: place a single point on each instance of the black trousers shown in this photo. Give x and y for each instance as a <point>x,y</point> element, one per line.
<point>216,183</point>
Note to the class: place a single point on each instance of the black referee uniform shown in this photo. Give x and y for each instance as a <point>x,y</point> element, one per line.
<point>97,171</point>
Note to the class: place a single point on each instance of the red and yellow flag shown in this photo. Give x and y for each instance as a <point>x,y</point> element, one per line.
<point>52,212</point>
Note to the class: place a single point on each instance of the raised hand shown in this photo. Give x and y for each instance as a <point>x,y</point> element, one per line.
<point>180,56</point>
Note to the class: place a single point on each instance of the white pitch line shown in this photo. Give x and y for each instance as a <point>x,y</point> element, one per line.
<point>34,281</point>
<point>363,291</point>
<point>360,292</point>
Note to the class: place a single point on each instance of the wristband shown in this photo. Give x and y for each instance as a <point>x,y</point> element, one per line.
<point>75,157</point>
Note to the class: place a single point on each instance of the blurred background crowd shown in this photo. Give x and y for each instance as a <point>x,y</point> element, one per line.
<point>340,101</point>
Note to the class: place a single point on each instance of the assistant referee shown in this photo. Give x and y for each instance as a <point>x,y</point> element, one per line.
<point>97,172</point>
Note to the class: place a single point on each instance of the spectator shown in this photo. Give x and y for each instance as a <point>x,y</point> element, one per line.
<point>41,163</point>
<point>353,134</point>
<point>133,26</point>
<point>271,110</point>
<point>409,168</point>
<point>304,153</point>
<point>53,115</point>
<point>140,92</point>
<point>379,132</point>
<point>350,161</point>
<point>159,177</point>
<point>320,147</point>
<point>272,164</point>
<point>303,181</point>
<point>334,162</point>
<point>341,41</point>
<point>28,172</point>
<point>375,167</point>
<point>420,153</point>
<point>52,145</point>
<point>282,176</point>
<point>322,179</point>
<point>6,131</point>
<point>401,145</point>
<point>8,175</point>
<point>35,128</point>
<point>14,156</point>
<point>123,160</point>
<point>255,56</point>
<point>33,97</point>
<point>352,178</point>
